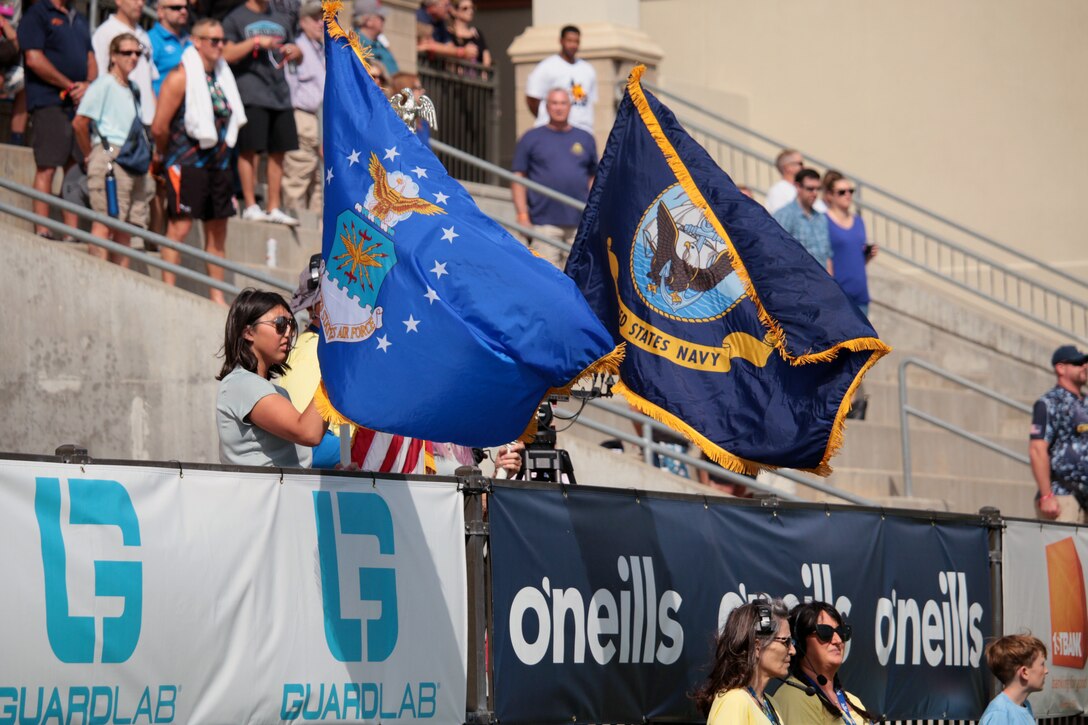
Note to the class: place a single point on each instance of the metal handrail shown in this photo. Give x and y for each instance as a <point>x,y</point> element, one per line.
<point>906,410</point>
<point>140,232</point>
<point>1081,282</point>
<point>507,175</point>
<point>649,445</point>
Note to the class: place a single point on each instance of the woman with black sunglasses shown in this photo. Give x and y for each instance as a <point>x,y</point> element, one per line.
<point>257,424</point>
<point>821,636</point>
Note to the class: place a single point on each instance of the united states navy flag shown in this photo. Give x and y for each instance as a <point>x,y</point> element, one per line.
<point>736,335</point>
<point>436,323</point>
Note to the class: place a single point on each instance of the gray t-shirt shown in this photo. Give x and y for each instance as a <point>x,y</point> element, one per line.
<point>260,82</point>
<point>240,441</point>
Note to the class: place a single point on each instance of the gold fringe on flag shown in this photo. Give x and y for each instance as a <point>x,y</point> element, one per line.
<point>331,11</point>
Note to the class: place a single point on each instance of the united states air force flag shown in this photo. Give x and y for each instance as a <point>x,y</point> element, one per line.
<point>735,335</point>
<point>436,323</point>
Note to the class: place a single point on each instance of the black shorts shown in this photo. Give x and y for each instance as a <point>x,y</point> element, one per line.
<point>194,193</point>
<point>54,141</point>
<point>268,130</point>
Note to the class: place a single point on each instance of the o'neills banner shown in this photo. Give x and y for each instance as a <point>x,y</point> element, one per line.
<point>1044,594</point>
<point>152,595</point>
<point>607,602</point>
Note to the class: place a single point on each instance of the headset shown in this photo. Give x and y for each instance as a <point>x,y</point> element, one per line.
<point>764,619</point>
<point>315,272</point>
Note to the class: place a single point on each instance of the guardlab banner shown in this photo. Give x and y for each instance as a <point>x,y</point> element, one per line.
<point>607,602</point>
<point>155,595</point>
<point>1044,571</point>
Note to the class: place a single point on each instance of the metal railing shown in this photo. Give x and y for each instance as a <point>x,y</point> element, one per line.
<point>134,231</point>
<point>466,99</point>
<point>942,248</point>
<point>906,410</point>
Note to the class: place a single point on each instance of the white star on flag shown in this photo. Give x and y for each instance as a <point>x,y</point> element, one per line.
<point>431,295</point>
<point>353,158</point>
<point>449,235</point>
<point>420,172</point>
<point>383,342</point>
<point>412,324</point>
<point>439,269</point>
<point>328,176</point>
<point>440,198</point>
<point>392,154</point>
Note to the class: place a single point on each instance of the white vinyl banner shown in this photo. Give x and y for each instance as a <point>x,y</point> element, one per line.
<point>1044,575</point>
<point>155,595</point>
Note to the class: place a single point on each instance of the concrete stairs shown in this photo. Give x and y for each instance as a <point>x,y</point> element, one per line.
<point>919,317</point>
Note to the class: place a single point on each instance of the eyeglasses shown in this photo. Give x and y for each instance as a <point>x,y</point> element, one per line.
<point>844,192</point>
<point>128,53</point>
<point>214,41</point>
<point>810,188</point>
<point>788,641</point>
<point>281,324</point>
<point>824,632</point>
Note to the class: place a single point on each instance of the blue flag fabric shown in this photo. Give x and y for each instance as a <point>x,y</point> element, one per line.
<point>735,335</point>
<point>436,323</point>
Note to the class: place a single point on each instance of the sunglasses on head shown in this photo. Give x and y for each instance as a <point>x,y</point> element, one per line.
<point>281,324</point>
<point>824,632</point>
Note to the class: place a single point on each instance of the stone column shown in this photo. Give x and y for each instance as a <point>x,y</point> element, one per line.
<point>611,42</point>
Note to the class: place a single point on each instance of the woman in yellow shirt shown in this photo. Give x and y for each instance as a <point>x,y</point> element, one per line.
<point>753,648</point>
<point>821,648</point>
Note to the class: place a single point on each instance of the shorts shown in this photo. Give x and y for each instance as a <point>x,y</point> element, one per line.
<point>133,192</point>
<point>54,141</point>
<point>268,130</point>
<point>199,193</point>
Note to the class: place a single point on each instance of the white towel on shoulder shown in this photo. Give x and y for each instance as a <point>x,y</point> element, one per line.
<point>199,119</point>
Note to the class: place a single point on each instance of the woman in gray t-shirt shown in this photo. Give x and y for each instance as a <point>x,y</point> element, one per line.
<point>258,425</point>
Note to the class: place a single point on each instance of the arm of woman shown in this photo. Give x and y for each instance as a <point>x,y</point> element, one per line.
<point>275,414</point>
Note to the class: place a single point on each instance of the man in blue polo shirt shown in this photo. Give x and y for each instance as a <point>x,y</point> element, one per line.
<point>804,222</point>
<point>561,157</point>
<point>56,44</point>
<point>169,37</point>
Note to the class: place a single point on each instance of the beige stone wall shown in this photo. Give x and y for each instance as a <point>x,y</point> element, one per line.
<point>973,108</point>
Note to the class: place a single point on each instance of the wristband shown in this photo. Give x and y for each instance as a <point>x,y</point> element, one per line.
<point>1049,495</point>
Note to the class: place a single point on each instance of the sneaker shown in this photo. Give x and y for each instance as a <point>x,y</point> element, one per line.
<point>253,213</point>
<point>278,216</point>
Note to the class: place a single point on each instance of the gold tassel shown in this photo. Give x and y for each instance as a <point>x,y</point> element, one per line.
<point>331,11</point>
<point>325,408</point>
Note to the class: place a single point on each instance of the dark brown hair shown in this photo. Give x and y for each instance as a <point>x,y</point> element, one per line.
<point>735,651</point>
<point>248,307</point>
<point>803,620</point>
<point>1004,656</point>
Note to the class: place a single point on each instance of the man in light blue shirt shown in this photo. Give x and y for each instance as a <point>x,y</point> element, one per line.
<point>169,37</point>
<point>801,220</point>
<point>1019,662</point>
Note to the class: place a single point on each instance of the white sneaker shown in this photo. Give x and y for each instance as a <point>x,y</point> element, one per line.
<point>278,216</point>
<point>253,213</point>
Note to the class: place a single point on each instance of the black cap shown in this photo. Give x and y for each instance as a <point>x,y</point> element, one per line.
<point>1068,354</point>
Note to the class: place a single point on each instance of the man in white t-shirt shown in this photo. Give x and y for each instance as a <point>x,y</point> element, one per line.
<point>784,191</point>
<point>127,20</point>
<point>564,70</point>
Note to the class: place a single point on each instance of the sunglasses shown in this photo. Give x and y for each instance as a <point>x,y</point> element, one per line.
<point>175,8</point>
<point>844,192</point>
<point>810,188</point>
<point>128,53</point>
<point>824,632</point>
<point>281,324</point>
<point>213,41</point>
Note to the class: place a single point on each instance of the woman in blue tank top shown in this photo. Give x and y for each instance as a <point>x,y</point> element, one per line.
<point>850,250</point>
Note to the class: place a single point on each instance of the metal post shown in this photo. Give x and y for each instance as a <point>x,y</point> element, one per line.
<point>904,429</point>
<point>474,486</point>
<point>991,519</point>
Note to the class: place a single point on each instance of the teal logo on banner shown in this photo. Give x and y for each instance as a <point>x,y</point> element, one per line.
<point>92,502</point>
<point>365,515</point>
